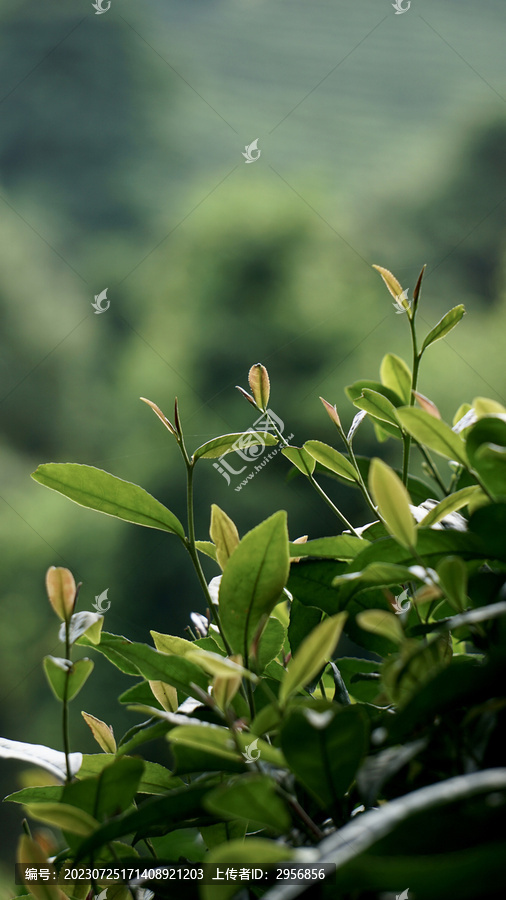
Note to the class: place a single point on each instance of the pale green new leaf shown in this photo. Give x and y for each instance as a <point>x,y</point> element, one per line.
<point>450,504</point>
<point>396,375</point>
<point>433,433</point>
<point>226,442</point>
<point>331,459</point>
<point>377,406</point>
<point>392,500</point>
<point>316,649</point>
<point>444,326</point>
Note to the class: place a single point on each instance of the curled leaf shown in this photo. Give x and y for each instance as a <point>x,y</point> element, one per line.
<point>391,282</point>
<point>156,409</point>
<point>332,411</point>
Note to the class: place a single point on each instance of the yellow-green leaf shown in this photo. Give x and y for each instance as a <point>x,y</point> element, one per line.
<point>444,326</point>
<point>396,375</point>
<point>450,504</point>
<point>316,649</point>
<point>331,459</point>
<point>258,379</point>
<point>435,435</point>
<point>102,733</point>
<point>378,406</point>
<point>379,621</point>
<point>64,816</point>
<point>165,694</point>
<point>391,282</point>
<point>392,500</point>
<point>224,535</point>
<point>300,458</point>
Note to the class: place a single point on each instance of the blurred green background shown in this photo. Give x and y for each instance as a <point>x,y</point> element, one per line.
<point>382,138</point>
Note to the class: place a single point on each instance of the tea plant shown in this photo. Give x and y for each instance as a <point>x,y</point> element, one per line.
<point>389,765</point>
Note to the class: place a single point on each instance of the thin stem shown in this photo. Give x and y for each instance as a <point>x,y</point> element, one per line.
<point>332,506</point>
<point>302,814</point>
<point>65,707</point>
<point>434,472</point>
<point>189,542</point>
<point>315,484</point>
<point>414,381</point>
<point>360,480</point>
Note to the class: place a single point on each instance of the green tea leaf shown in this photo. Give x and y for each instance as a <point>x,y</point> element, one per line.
<point>444,326</point>
<point>56,671</point>
<point>450,504</point>
<point>392,500</point>
<point>208,548</point>
<point>377,406</point>
<point>343,546</point>
<point>435,435</point>
<point>396,375</point>
<point>61,590</point>
<point>331,459</point>
<point>224,534</point>
<point>324,749</point>
<point>105,493</point>
<point>300,458</point>
<point>380,622</point>
<point>311,656</point>
<point>486,448</point>
<point>253,798</point>
<point>102,733</point>
<point>226,442</point>
<point>70,818</point>
<point>258,380</point>
<point>252,582</point>
<point>252,852</point>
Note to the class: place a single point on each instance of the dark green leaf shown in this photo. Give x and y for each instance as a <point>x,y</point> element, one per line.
<point>254,798</point>
<point>324,749</point>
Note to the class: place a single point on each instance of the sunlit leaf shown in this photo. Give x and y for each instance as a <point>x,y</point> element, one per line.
<point>444,326</point>
<point>102,733</point>
<point>63,674</point>
<point>311,656</point>
<point>258,380</point>
<point>252,582</point>
<point>61,590</point>
<point>226,443</point>
<point>395,374</point>
<point>392,500</point>
<point>105,493</point>
<point>435,435</point>
<point>450,504</point>
<point>224,535</point>
<point>331,459</point>
<point>300,458</point>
